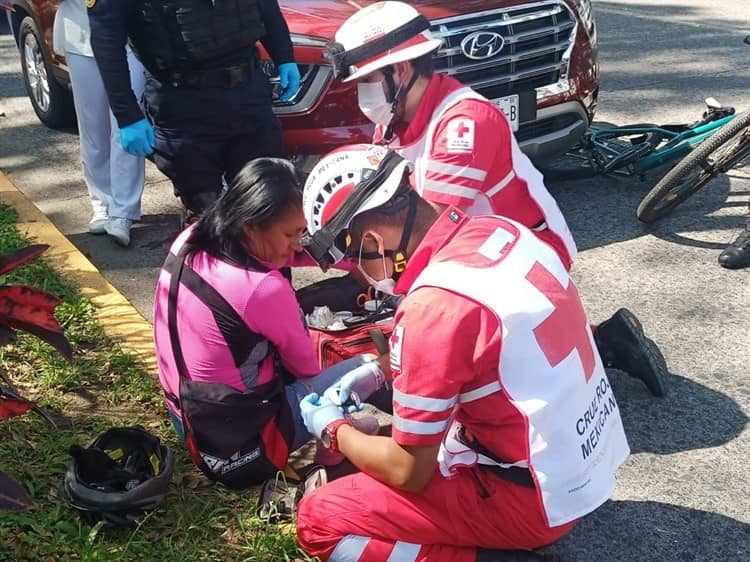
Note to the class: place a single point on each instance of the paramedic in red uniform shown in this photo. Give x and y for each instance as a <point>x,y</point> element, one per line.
<point>505,428</point>
<point>463,151</point>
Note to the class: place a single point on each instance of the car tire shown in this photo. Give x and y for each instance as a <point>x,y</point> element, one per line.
<point>52,103</point>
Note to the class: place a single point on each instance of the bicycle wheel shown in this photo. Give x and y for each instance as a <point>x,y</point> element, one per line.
<point>717,154</point>
<point>586,160</point>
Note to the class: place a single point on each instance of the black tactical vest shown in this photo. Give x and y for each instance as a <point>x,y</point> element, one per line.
<point>183,35</point>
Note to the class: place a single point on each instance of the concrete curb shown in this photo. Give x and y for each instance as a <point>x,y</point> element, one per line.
<point>119,319</point>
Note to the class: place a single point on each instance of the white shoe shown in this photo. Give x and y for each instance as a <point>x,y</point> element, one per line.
<point>119,229</point>
<point>98,224</point>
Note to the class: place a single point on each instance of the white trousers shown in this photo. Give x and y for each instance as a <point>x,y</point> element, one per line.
<point>114,178</point>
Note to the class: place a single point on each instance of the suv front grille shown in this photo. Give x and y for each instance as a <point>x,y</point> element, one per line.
<point>547,126</point>
<point>537,39</point>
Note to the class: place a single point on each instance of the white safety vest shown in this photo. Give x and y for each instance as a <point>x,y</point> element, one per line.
<point>554,377</point>
<point>418,153</point>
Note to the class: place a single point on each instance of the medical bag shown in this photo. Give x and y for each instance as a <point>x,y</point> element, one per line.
<point>366,334</point>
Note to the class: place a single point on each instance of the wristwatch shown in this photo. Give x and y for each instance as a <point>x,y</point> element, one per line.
<point>328,436</point>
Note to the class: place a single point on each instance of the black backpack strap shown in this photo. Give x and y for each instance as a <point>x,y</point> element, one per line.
<point>240,339</point>
<point>176,264</point>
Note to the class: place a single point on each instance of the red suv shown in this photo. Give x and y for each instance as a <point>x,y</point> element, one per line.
<point>536,60</point>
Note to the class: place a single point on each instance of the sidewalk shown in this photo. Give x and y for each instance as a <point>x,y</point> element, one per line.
<point>117,316</point>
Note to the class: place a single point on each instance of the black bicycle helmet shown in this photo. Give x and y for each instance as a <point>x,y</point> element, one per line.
<point>119,476</point>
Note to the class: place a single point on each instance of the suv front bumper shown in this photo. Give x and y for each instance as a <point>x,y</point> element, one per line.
<point>555,129</point>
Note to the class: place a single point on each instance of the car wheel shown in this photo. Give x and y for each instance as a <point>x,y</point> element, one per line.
<point>51,102</point>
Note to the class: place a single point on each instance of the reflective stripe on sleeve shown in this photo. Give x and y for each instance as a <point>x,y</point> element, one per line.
<point>404,552</point>
<point>501,184</point>
<point>423,403</point>
<point>349,549</point>
<point>419,427</point>
<point>480,392</point>
<point>452,170</point>
<point>450,189</point>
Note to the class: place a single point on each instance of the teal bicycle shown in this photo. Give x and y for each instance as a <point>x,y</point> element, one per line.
<point>633,150</point>
<point>727,148</point>
<point>697,153</point>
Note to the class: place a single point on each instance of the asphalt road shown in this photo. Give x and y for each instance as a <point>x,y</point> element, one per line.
<point>684,494</point>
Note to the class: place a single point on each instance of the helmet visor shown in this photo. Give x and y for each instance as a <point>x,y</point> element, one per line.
<point>328,245</point>
<point>325,248</point>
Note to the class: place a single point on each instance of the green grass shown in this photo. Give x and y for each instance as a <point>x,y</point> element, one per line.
<point>105,387</point>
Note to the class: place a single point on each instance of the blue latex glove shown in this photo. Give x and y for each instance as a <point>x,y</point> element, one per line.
<point>318,412</point>
<point>288,80</point>
<point>364,380</point>
<point>138,138</point>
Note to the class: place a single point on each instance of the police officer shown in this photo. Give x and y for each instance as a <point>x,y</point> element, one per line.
<point>208,100</point>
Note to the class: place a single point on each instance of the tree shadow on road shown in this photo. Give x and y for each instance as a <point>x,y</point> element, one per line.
<point>691,416</point>
<point>644,77</point>
<point>149,246</point>
<point>602,211</point>
<point>630,531</point>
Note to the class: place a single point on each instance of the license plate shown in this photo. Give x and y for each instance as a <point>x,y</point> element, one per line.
<point>509,106</point>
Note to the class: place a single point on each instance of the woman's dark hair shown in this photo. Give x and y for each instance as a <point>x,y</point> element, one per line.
<point>259,194</point>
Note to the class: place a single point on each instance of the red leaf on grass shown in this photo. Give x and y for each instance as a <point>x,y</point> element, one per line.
<point>9,262</point>
<point>13,405</point>
<point>31,310</point>
<point>36,304</point>
<point>12,494</point>
<point>55,338</point>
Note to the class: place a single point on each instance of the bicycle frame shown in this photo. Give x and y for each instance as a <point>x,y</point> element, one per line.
<point>680,143</point>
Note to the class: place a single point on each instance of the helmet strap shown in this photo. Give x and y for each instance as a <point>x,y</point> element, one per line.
<point>399,255</point>
<point>398,95</point>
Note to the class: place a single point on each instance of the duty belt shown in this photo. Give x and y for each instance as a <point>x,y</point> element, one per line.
<point>227,77</point>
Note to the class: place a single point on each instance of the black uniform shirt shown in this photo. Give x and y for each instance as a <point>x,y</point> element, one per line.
<point>110,21</point>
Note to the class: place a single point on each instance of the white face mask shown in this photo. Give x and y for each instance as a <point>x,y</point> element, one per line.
<point>387,285</point>
<point>373,103</point>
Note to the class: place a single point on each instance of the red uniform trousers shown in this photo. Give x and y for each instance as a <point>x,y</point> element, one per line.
<point>358,518</point>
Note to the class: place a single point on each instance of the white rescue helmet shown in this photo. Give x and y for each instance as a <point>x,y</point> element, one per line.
<point>346,183</point>
<point>378,36</point>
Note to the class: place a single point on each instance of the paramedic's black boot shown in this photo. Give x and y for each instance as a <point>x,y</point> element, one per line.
<point>195,204</point>
<point>737,254</point>
<point>623,345</point>
<point>487,555</point>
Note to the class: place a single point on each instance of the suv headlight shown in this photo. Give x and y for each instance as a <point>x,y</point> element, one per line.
<point>313,79</point>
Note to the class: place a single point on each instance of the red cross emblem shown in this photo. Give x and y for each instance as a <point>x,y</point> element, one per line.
<point>395,348</point>
<point>462,129</point>
<point>567,328</point>
<point>394,338</point>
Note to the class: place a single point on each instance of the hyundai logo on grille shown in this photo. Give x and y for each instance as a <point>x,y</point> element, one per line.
<point>482,45</point>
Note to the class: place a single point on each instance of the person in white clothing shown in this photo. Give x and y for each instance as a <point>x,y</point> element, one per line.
<point>114,178</point>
